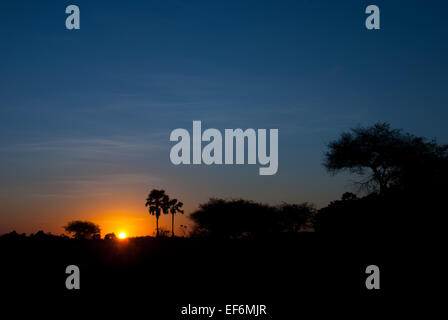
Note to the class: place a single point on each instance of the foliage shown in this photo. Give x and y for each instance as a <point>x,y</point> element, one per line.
<point>384,157</point>
<point>175,207</point>
<point>157,202</point>
<point>83,229</point>
<point>219,218</point>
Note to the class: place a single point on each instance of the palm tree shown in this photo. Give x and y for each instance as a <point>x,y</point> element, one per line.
<point>175,206</point>
<point>157,202</point>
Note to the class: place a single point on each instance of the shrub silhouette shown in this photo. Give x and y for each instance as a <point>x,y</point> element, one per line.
<point>110,236</point>
<point>231,219</point>
<point>294,217</point>
<point>163,233</point>
<point>83,229</point>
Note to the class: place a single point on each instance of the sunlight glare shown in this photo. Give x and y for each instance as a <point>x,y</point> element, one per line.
<point>122,235</point>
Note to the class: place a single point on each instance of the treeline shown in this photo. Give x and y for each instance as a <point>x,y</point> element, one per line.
<point>40,235</point>
<point>233,219</point>
<point>402,182</point>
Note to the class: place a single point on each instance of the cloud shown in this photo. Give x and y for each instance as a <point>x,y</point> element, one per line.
<point>84,146</point>
<point>79,167</point>
<point>94,186</point>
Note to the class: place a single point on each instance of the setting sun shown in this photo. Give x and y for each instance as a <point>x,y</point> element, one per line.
<point>122,235</point>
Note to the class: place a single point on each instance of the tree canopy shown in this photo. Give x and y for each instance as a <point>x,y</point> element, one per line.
<point>159,202</point>
<point>240,218</point>
<point>83,229</point>
<point>385,157</point>
<point>406,176</point>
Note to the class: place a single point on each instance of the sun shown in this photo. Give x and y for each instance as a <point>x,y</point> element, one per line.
<point>122,235</point>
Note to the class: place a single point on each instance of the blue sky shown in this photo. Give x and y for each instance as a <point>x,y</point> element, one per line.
<point>85,115</point>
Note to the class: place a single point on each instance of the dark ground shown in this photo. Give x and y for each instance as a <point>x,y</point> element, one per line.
<point>306,274</point>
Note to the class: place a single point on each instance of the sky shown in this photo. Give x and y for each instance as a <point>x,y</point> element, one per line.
<point>85,115</point>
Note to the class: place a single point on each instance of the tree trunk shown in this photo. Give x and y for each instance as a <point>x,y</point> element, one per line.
<point>157,226</point>
<point>172,226</point>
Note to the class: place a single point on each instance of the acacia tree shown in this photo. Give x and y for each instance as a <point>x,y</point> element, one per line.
<point>157,202</point>
<point>83,229</point>
<point>382,156</point>
<point>175,207</point>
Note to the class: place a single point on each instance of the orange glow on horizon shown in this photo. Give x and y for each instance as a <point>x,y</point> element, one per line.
<point>115,213</point>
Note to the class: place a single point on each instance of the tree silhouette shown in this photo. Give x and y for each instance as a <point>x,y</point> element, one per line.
<point>83,229</point>
<point>234,219</point>
<point>157,202</point>
<point>293,217</point>
<point>410,174</point>
<point>385,157</point>
<point>175,207</point>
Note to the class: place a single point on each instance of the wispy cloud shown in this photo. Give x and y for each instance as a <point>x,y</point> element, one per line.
<point>93,186</point>
<point>79,167</point>
<point>81,146</point>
